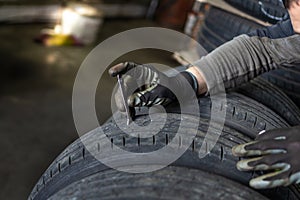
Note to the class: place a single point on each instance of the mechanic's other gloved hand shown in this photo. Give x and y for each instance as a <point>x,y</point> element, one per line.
<point>153,82</point>
<point>277,152</point>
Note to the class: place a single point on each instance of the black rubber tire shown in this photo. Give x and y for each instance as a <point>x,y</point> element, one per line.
<point>169,183</point>
<point>263,91</point>
<point>219,21</point>
<point>275,10</point>
<point>76,163</point>
<point>242,114</point>
<point>288,79</point>
<point>215,32</point>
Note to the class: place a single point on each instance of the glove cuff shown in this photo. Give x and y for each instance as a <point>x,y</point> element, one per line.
<point>191,79</point>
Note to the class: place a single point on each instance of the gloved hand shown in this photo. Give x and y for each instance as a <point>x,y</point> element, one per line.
<point>153,85</point>
<point>277,152</point>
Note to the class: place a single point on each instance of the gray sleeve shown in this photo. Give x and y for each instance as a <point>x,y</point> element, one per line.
<point>244,58</point>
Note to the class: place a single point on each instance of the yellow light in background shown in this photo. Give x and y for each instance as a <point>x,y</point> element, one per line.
<point>58,29</point>
<point>81,21</point>
<point>69,20</point>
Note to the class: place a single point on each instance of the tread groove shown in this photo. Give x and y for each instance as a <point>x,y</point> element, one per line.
<point>83,152</point>
<point>139,140</point>
<point>180,141</point>
<point>124,142</point>
<point>153,140</point>
<point>70,160</point>
<point>193,145</point>
<point>59,167</point>
<point>98,147</point>
<point>222,154</point>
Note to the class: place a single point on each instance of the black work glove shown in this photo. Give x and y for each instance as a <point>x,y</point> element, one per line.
<point>276,151</point>
<point>146,86</point>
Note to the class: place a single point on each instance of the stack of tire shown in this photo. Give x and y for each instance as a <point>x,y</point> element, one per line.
<point>221,26</point>
<point>256,106</point>
<point>77,174</point>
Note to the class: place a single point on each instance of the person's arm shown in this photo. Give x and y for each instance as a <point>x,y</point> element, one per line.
<point>280,30</point>
<point>235,62</point>
<point>244,58</point>
<point>230,65</point>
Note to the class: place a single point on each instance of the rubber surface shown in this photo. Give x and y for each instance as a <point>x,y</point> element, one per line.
<point>170,183</point>
<point>216,32</point>
<point>287,79</point>
<point>76,163</point>
<point>268,10</point>
<point>263,91</point>
<point>242,113</point>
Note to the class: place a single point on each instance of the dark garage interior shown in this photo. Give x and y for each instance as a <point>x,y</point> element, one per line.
<point>41,53</point>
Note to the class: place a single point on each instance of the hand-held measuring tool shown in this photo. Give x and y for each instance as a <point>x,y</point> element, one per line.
<point>121,87</point>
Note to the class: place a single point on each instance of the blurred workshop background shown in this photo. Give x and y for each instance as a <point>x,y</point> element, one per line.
<point>43,44</point>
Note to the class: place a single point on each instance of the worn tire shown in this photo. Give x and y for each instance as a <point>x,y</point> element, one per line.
<point>168,183</point>
<point>288,80</point>
<point>215,32</point>
<point>272,97</point>
<point>242,113</point>
<point>76,163</point>
<point>270,10</point>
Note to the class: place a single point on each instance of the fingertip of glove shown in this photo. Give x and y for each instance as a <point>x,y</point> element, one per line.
<point>250,164</point>
<point>116,69</point>
<point>112,72</point>
<point>259,184</point>
<point>243,166</point>
<point>238,150</point>
<point>264,182</point>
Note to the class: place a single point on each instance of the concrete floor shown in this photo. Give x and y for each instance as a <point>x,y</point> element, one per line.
<point>36,121</point>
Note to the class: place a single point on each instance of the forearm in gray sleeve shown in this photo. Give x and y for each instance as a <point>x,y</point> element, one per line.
<point>244,58</point>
